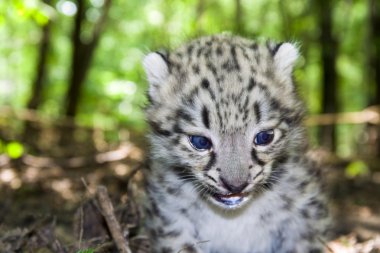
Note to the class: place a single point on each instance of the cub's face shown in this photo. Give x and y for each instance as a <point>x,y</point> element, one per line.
<point>224,114</point>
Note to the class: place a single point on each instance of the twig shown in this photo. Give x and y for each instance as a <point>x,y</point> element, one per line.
<point>134,170</point>
<point>112,223</point>
<point>81,227</point>
<point>368,115</point>
<point>325,244</point>
<point>122,152</point>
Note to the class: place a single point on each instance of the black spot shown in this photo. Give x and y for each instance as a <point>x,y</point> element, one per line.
<point>208,53</point>
<point>212,68</point>
<point>228,65</point>
<point>167,250</point>
<point>177,128</point>
<point>320,210</point>
<point>245,106</point>
<point>302,185</point>
<point>171,233</point>
<point>199,52</point>
<point>176,140</point>
<point>256,159</point>
<point>211,162</point>
<point>189,248</point>
<point>196,69</point>
<point>233,53</point>
<point>172,191</point>
<point>275,104</point>
<point>190,49</point>
<point>205,83</point>
<point>288,202</point>
<point>257,110</point>
<point>158,130</point>
<point>251,84</point>
<point>219,51</point>
<point>253,46</point>
<point>184,115</point>
<point>304,212</point>
<point>205,117</point>
<point>189,100</point>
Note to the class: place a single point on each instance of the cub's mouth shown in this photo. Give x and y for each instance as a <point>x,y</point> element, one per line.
<point>230,200</point>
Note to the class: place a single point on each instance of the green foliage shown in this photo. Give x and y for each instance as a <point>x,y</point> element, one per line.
<point>86,251</point>
<point>14,149</point>
<point>2,147</point>
<point>115,86</point>
<point>356,168</point>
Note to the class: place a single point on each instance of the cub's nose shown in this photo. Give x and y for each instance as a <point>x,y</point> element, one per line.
<point>233,187</point>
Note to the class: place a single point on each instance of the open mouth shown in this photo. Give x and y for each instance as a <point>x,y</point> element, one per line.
<point>231,200</point>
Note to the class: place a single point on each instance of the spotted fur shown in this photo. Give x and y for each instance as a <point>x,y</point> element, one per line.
<point>228,89</point>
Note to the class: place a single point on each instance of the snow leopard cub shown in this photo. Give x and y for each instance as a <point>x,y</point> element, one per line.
<point>227,167</point>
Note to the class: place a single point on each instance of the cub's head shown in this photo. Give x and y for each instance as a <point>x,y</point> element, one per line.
<point>224,113</point>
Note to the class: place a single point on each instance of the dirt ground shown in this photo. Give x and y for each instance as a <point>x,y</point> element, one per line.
<point>47,205</point>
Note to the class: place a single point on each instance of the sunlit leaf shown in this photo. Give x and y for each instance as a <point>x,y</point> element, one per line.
<point>86,251</point>
<point>40,17</point>
<point>1,147</point>
<point>14,149</point>
<point>356,168</point>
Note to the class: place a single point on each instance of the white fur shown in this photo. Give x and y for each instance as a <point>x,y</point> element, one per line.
<point>285,58</point>
<point>180,205</point>
<point>156,70</point>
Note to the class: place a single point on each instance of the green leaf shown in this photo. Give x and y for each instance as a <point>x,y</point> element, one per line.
<point>14,149</point>
<point>356,168</point>
<point>86,251</point>
<point>2,147</point>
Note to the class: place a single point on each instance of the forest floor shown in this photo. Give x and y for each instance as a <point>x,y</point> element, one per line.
<point>50,206</point>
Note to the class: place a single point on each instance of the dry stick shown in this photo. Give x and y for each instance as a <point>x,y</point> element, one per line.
<point>112,223</point>
<point>81,227</point>
<point>325,244</point>
<point>134,170</point>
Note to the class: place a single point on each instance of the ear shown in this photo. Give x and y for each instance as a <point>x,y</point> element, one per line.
<point>156,67</point>
<point>285,58</point>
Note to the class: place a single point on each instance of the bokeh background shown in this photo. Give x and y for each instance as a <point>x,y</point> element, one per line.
<point>72,88</point>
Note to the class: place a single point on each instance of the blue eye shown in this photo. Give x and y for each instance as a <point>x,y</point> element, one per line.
<point>200,142</point>
<point>264,137</point>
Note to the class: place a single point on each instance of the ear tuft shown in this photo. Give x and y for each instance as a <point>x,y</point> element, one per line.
<point>285,58</point>
<point>157,70</point>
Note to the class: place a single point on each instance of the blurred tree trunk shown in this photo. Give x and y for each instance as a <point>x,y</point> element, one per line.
<point>38,83</point>
<point>200,10</point>
<point>239,26</point>
<point>82,54</point>
<point>374,59</point>
<point>285,19</point>
<point>374,7</point>
<point>329,76</point>
<point>31,131</point>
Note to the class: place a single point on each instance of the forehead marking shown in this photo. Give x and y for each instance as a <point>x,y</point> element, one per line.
<point>205,117</point>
